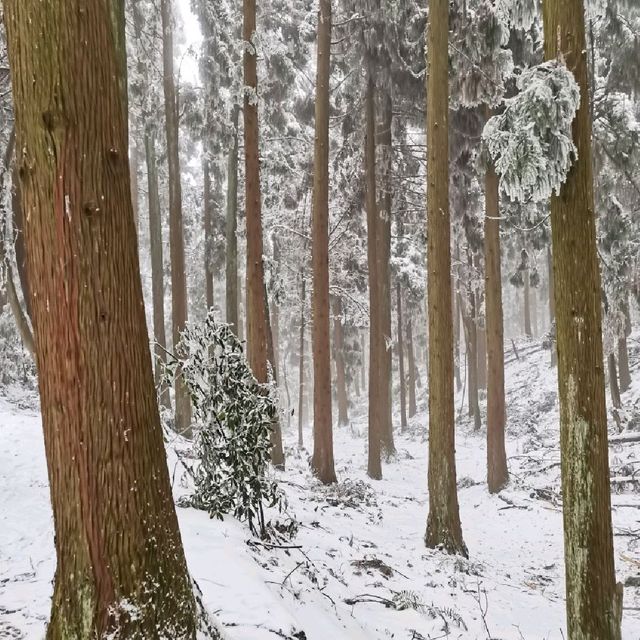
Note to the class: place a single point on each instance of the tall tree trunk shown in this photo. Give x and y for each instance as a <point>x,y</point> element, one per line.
<point>179,306</point>
<point>443,523</point>
<point>456,331</point>
<point>497,472</point>
<point>472,364</point>
<point>10,294</point>
<point>623,352</point>
<point>533,297</point>
<point>157,265</point>
<point>376,357</point>
<point>208,228</point>
<point>303,296</point>
<point>341,375</point>
<point>412,370</point>
<point>363,367</point>
<point>232,227</point>
<point>401,372</point>
<point>383,237</point>
<point>259,340</point>
<point>552,306</point>
<point>594,602</point>
<point>481,343</point>
<point>526,294</point>
<point>121,568</point>
<point>614,389</point>
<point>19,242</point>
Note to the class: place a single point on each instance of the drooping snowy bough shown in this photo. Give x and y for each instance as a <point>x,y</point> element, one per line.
<point>530,142</point>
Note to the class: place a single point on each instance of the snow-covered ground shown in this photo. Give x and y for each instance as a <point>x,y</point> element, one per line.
<point>358,568</point>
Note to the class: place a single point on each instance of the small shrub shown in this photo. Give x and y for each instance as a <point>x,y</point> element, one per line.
<point>233,418</point>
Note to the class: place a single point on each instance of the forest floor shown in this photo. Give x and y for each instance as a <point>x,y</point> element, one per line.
<point>358,568</point>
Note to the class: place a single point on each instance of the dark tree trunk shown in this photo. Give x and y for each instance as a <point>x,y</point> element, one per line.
<point>552,306</point>
<point>232,227</point>
<point>121,568</point>
<point>376,357</point>
<point>341,376</point>
<point>259,341</point>
<point>401,372</point>
<point>443,523</point>
<point>322,461</point>
<point>594,603</point>
<point>623,352</point>
<point>208,229</point>
<point>157,266</point>
<point>497,472</point>
<point>301,364</point>
<point>179,306</point>
<point>412,370</point>
<point>384,140</point>
<point>526,294</point>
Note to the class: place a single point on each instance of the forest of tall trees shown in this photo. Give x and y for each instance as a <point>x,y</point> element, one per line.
<point>358,279</point>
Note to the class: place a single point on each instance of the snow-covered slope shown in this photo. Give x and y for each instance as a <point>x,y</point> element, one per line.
<point>358,568</point>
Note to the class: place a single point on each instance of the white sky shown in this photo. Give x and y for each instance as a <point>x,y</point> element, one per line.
<point>188,63</point>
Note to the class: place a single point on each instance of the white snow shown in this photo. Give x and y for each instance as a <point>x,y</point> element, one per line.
<point>512,587</point>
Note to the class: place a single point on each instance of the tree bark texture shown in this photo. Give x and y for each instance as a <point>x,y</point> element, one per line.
<point>341,374</point>
<point>593,600</point>
<point>497,472</point>
<point>401,371</point>
<point>411,363</point>
<point>208,206</point>
<point>259,343</point>
<point>232,227</point>
<point>157,266</point>
<point>303,295</point>
<point>179,308</point>
<point>121,569</point>
<point>376,357</point>
<point>384,143</point>
<point>443,522</point>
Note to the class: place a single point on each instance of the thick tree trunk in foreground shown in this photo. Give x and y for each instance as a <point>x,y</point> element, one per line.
<point>322,461</point>
<point>443,523</point>
<point>232,227</point>
<point>376,358</point>
<point>121,569</point>
<point>401,372</point>
<point>594,603</point>
<point>341,374</point>
<point>497,472</point>
<point>179,307</point>
<point>157,265</point>
<point>412,370</point>
<point>259,342</point>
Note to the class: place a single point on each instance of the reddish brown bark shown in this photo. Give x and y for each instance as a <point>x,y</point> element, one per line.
<point>259,341</point>
<point>176,239</point>
<point>443,522</point>
<point>121,566</point>
<point>594,603</point>
<point>497,472</point>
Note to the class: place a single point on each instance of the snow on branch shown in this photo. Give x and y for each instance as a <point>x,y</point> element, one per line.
<point>530,142</point>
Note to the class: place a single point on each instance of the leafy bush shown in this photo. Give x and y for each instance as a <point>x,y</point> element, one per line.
<point>233,417</point>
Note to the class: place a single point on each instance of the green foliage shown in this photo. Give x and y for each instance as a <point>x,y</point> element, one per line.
<point>233,416</point>
<point>531,142</point>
